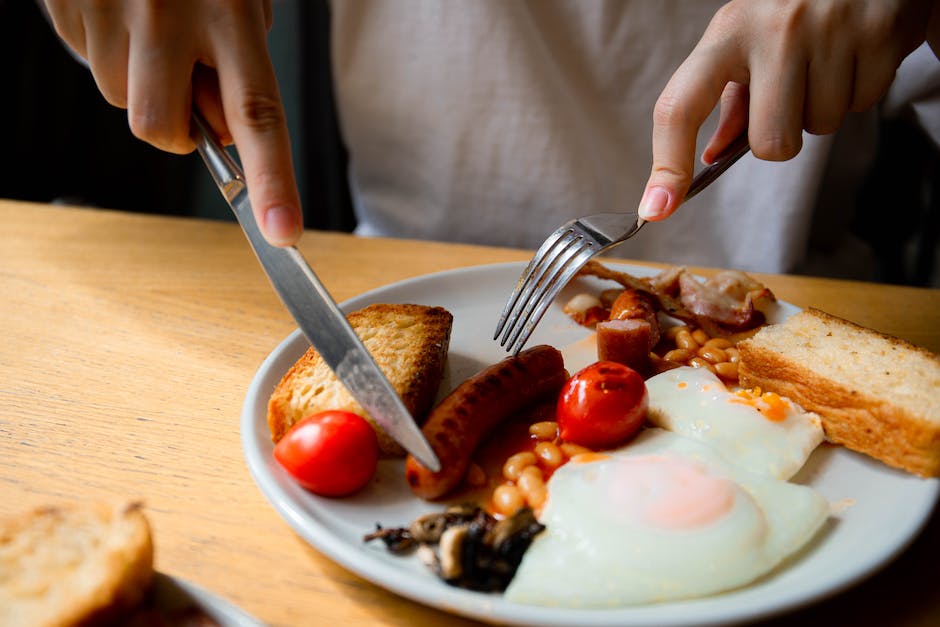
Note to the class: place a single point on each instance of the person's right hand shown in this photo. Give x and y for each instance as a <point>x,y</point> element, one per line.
<point>158,60</point>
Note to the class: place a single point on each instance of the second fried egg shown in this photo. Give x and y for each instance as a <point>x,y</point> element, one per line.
<point>763,433</point>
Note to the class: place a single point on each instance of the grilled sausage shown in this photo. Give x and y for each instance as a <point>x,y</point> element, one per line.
<point>636,305</point>
<point>625,341</point>
<point>458,424</point>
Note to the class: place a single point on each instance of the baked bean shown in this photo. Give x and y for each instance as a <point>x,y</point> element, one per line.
<point>507,499</point>
<point>571,449</point>
<point>476,476</point>
<point>549,455</point>
<point>712,354</point>
<point>679,355</point>
<point>530,480</point>
<point>670,332</point>
<point>733,355</point>
<point>536,498</point>
<point>727,370</point>
<point>544,430</point>
<point>719,342</point>
<point>700,336</point>
<point>698,362</point>
<point>517,463</point>
<point>685,340</point>
<point>529,473</point>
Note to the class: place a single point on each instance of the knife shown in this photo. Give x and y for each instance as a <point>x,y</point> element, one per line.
<point>312,307</point>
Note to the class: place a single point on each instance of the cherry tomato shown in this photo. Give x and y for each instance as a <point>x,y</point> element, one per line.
<point>602,405</point>
<point>332,453</point>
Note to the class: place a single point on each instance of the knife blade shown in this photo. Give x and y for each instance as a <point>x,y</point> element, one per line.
<point>312,307</point>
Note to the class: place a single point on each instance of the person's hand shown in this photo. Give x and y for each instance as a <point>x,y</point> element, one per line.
<point>777,67</point>
<point>159,59</point>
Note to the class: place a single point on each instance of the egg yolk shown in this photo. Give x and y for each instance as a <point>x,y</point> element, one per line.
<point>668,492</point>
<point>772,406</point>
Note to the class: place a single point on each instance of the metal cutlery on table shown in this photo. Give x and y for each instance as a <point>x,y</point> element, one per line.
<point>312,307</point>
<point>572,245</point>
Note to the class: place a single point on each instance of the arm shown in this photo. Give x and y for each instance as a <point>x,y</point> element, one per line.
<point>159,59</point>
<point>777,67</point>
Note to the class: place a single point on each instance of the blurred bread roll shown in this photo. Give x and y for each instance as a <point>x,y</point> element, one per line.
<point>79,564</point>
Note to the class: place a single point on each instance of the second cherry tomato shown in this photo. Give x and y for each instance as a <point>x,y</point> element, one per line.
<point>602,405</point>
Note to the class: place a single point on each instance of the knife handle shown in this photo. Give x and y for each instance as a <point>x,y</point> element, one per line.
<point>224,170</point>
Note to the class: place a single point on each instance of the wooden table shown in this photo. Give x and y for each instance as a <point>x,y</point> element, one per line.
<point>128,344</point>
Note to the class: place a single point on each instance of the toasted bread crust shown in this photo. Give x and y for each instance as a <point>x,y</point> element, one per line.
<point>74,565</point>
<point>408,342</point>
<point>860,411</point>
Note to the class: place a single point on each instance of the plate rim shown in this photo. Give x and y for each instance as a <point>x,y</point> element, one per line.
<point>218,608</point>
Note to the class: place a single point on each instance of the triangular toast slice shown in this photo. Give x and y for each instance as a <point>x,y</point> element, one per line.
<point>408,342</point>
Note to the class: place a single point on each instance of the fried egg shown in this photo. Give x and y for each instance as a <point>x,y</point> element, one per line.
<point>763,433</point>
<point>665,517</point>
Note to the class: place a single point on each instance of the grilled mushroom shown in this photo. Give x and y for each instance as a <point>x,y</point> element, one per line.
<point>430,527</point>
<point>465,546</point>
<point>396,539</point>
<point>450,552</point>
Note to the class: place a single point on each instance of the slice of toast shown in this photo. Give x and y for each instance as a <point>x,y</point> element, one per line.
<point>876,394</point>
<point>71,565</point>
<point>408,342</point>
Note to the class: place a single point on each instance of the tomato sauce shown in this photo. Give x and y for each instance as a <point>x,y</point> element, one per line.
<point>510,438</point>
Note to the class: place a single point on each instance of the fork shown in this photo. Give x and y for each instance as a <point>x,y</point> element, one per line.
<point>572,245</point>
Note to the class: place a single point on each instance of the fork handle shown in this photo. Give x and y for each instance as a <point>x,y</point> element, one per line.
<point>735,150</point>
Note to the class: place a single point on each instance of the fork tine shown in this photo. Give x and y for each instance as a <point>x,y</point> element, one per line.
<point>548,265</point>
<point>575,264</point>
<point>535,268</point>
<point>565,266</point>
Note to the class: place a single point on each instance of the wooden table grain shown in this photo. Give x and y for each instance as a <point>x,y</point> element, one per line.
<point>128,342</point>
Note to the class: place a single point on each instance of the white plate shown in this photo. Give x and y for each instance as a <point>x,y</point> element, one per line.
<point>886,508</point>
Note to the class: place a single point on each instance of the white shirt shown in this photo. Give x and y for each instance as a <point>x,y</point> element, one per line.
<point>495,121</point>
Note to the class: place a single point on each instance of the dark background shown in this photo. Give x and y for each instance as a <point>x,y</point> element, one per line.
<point>63,143</point>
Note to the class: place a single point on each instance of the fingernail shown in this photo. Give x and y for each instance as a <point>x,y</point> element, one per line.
<point>280,226</point>
<point>653,204</point>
